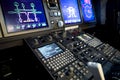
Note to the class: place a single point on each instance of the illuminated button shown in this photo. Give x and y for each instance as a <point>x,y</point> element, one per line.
<point>48,65</point>
<point>85,45</point>
<point>62,75</point>
<point>44,24</point>
<point>59,14</point>
<point>71,79</point>
<point>54,57</point>
<point>33,25</point>
<point>55,14</point>
<point>44,61</point>
<point>59,73</point>
<point>61,41</point>
<point>50,58</point>
<point>52,22</point>
<point>84,73</point>
<point>78,79</point>
<point>78,68</point>
<point>102,59</point>
<point>54,69</point>
<point>55,65</point>
<point>81,47</point>
<point>39,24</point>
<point>17,27</point>
<point>92,56</point>
<point>28,26</point>
<point>74,76</point>
<point>87,71</point>
<point>57,68</point>
<point>81,71</point>
<point>73,63</point>
<point>23,26</point>
<point>84,69</point>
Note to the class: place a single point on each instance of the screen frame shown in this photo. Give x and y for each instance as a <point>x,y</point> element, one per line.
<point>7,34</point>
<point>71,24</point>
<point>87,22</point>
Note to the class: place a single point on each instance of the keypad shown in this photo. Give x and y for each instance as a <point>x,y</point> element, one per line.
<point>58,61</point>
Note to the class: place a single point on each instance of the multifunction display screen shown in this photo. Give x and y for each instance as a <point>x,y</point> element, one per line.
<point>21,15</point>
<point>70,11</point>
<point>87,10</point>
<point>50,50</point>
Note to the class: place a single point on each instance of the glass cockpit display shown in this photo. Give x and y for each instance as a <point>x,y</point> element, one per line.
<point>50,50</point>
<point>70,11</point>
<point>22,15</point>
<point>87,11</point>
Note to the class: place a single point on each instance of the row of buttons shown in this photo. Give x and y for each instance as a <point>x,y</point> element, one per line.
<point>80,67</point>
<point>60,60</point>
<point>106,49</point>
<point>94,42</point>
<point>55,14</point>
<point>75,71</point>
<point>77,46</point>
<point>116,57</point>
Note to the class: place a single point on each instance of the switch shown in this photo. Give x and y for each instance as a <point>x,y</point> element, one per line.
<point>60,23</point>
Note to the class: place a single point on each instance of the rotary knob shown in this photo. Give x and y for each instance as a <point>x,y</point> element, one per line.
<point>60,23</point>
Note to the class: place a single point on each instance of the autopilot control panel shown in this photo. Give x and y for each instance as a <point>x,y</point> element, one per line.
<point>66,58</point>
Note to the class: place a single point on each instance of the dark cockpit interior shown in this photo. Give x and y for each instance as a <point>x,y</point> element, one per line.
<point>59,39</point>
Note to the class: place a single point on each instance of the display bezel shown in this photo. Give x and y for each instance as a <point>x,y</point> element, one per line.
<point>71,24</point>
<point>7,34</point>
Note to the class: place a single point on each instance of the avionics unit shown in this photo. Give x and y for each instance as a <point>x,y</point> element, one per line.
<point>22,16</point>
<point>70,12</point>
<point>60,62</point>
<point>54,13</point>
<point>87,11</point>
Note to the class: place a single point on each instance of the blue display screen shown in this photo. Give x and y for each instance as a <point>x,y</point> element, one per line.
<point>20,15</point>
<point>87,10</point>
<point>70,11</point>
<point>50,50</point>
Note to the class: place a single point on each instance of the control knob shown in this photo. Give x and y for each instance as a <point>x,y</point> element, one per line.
<point>60,23</point>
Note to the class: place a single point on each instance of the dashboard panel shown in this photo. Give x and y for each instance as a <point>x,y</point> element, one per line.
<point>22,17</point>
<point>64,54</point>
